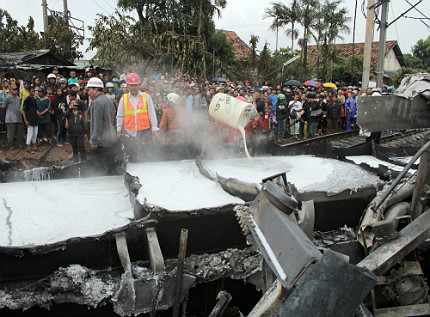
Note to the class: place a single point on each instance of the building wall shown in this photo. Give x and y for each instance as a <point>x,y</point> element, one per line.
<point>391,62</point>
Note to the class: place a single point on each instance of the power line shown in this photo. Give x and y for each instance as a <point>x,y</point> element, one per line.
<point>101,7</point>
<point>395,25</point>
<point>420,13</point>
<point>109,3</point>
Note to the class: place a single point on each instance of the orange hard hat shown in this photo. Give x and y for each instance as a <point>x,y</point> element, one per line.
<point>133,79</point>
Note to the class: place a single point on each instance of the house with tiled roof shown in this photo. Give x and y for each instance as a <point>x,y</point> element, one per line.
<point>393,55</point>
<point>241,49</point>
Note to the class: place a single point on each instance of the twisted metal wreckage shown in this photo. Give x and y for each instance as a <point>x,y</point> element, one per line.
<point>295,246</point>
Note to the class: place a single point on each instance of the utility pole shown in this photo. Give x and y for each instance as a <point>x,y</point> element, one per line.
<point>66,11</point>
<point>382,41</point>
<point>353,44</point>
<point>45,15</point>
<point>368,43</point>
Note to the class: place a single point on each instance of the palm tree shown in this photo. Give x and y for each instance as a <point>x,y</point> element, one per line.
<point>283,16</point>
<point>308,13</point>
<point>294,15</point>
<point>335,20</point>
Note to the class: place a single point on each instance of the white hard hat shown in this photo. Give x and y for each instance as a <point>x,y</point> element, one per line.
<point>174,98</point>
<point>52,76</point>
<point>110,85</point>
<point>95,82</point>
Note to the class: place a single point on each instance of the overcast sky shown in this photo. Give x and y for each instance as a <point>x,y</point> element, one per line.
<point>243,17</point>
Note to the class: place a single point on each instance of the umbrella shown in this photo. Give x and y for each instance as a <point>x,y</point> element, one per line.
<point>312,83</point>
<point>293,82</point>
<point>330,85</point>
<point>219,79</point>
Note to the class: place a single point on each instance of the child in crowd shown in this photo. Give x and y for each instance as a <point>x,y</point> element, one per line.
<point>75,123</point>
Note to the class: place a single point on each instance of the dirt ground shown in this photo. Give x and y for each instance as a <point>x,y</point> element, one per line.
<point>46,155</point>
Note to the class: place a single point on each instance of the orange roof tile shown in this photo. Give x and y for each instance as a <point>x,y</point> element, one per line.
<point>345,51</point>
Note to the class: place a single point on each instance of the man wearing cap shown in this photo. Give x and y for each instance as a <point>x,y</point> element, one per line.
<point>351,111</point>
<point>12,107</point>
<point>136,112</point>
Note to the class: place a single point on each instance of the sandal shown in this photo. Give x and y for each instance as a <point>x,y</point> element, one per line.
<point>31,152</point>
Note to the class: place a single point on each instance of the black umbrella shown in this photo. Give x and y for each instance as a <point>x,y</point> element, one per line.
<point>219,79</point>
<point>293,82</point>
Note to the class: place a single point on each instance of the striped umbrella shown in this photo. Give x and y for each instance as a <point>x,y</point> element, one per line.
<point>312,83</point>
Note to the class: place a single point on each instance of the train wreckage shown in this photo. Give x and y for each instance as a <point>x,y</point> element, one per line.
<point>332,226</point>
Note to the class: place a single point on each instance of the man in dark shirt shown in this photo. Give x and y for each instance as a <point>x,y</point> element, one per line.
<point>313,110</point>
<point>322,124</point>
<point>333,115</point>
<point>31,119</point>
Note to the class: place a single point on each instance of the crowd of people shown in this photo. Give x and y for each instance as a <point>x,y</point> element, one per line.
<point>94,110</point>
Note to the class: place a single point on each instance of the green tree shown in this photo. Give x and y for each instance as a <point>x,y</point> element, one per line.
<point>253,42</point>
<point>413,61</point>
<point>342,70</point>
<point>15,38</point>
<point>168,35</point>
<point>61,40</point>
<point>264,63</point>
<point>118,42</point>
<point>421,50</point>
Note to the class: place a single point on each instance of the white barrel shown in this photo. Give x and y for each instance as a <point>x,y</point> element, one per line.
<point>229,110</point>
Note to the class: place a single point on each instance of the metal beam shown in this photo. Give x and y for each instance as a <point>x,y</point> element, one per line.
<point>389,254</point>
<point>156,260</point>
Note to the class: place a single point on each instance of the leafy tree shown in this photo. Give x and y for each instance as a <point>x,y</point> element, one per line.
<point>15,38</point>
<point>61,40</point>
<point>307,19</point>
<point>342,70</point>
<point>169,34</point>
<point>413,61</point>
<point>422,51</point>
<point>397,78</point>
<point>118,42</point>
<point>264,63</point>
<point>253,41</point>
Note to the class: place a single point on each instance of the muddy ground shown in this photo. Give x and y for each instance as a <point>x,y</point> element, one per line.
<point>46,155</point>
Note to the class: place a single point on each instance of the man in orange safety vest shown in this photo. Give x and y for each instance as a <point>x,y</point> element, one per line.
<point>136,113</point>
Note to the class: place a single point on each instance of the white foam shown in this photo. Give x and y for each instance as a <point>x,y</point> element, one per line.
<point>374,162</point>
<point>178,185</point>
<point>37,213</point>
<point>307,173</point>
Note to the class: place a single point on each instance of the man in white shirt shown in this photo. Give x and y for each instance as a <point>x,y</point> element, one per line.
<point>136,114</point>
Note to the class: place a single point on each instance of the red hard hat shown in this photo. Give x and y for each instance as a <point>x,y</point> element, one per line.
<point>133,79</point>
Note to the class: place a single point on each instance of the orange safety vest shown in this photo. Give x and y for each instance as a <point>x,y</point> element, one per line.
<point>142,119</point>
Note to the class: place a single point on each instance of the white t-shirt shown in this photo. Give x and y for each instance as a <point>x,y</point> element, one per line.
<point>295,106</point>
